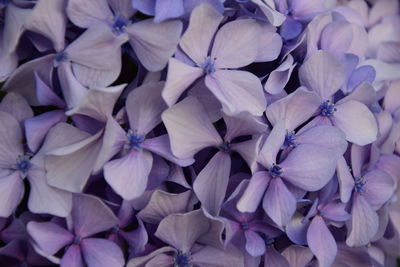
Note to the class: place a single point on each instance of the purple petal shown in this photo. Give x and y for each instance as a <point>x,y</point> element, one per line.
<point>297,256</point>
<point>243,124</point>
<point>163,204</point>
<point>144,106</point>
<point>323,74</point>
<point>279,203</point>
<point>161,260</point>
<point>364,222</point>
<point>251,198</point>
<point>86,13</point>
<point>290,29</point>
<point>128,175</point>
<point>182,230</point>
<point>269,38</point>
<point>168,9</point>
<point>273,258</point>
<point>10,140</point>
<point>309,167</point>
<point>357,122</point>
<point>36,128</point>
<point>48,19</point>
<point>296,229</point>
<point>346,181</point>
<point>365,93</point>
<point>203,24</point>
<point>255,245</point>
<point>236,44</point>
<point>49,236</point>
<point>304,10</point>
<point>248,150</point>
<point>11,193</point>
<point>91,216</point>
<point>337,37</point>
<point>211,183</point>
<point>145,6</point>
<point>154,43</point>
<point>14,19</point>
<point>101,253</point>
<point>294,109</point>
<point>211,256</point>
<point>279,77</point>
<point>273,16</point>
<point>69,167</point>
<point>16,105</point>
<point>237,91</point>
<point>98,103</point>
<point>379,187</point>
<point>189,128</point>
<point>272,145</point>
<point>321,242</point>
<point>46,199</point>
<point>72,257</point>
<point>179,77</point>
<point>335,211</point>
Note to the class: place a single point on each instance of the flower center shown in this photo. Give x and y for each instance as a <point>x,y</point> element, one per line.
<point>119,24</point>
<point>327,108</point>
<point>289,140</point>
<point>134,140</point>
<point>275,170</point>
<point>23,165</point>
<point>225,147</point>
<point>208,66</point>
<point>244,225</point>
<point>77,240</point>
<point>359,185</point>
<point>182,260</point>
<point>60,57</point>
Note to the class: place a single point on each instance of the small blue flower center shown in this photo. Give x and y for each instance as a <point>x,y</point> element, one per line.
<point>208,66</point>
<point>289,140</point>
<point>359,185</point>
<point>119,24</point>
<point>134,140</point>
<point>275,170</point>
<point>182,260</point>
<point>77,240</point>
<point>60,57</point>
<point>23,165</point>
<point>225,147</point>
<point>327,108</point>
<point>4,3</point>
<point>244,225</point>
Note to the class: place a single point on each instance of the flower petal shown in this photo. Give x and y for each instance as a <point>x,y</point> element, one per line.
<point>379,187</point>
<point>86,13</point>
<point>101,253</point>
<point>10,140</point>
<point>17,106</point>
<point>144,106</point>
<point>255,245</point>
<point>323,74</point>
<point>189,128</point>
<point>11,193</point>
<point>279,203</point>
<point>50,237</point>
<point>309,167</point>
<point>357,122</point>
<point>154,43</point>
<point>91,216</point>
<point>236,44</point>
<point>128,176</point>
<point>72,257</point>
<point>211,183</point>
<point>203,24</point>
<point>237,91</point>
<point>321,242</point>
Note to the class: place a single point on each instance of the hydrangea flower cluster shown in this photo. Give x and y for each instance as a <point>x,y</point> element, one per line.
<point>195,133</point>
